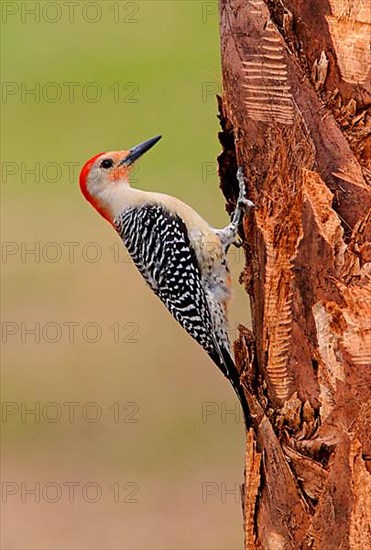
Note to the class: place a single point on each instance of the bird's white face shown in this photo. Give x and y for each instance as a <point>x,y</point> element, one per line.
<point>107,170</point>
<point>105,175</point>
<point>101,177</point>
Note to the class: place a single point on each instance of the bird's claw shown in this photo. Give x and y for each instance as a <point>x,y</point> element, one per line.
<point>243,202</point>
<point>238,242</point>
<point>246,203</point>
<point>241,182</point>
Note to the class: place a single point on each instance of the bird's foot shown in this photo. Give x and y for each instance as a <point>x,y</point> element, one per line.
<point>243,203</point>
<point>242,200</point>
<point>238,242</point>
<point>229,235</point>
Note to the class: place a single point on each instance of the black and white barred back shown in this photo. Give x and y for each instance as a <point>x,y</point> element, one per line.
<point>160,248</point>
<point>159,245</point>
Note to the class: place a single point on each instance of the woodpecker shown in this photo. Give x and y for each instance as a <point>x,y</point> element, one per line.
<point>181,257</point>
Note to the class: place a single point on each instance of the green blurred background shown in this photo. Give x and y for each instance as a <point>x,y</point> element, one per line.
<point>161,432</point>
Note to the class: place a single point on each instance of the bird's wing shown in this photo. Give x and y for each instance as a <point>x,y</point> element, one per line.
<point>159,246</point>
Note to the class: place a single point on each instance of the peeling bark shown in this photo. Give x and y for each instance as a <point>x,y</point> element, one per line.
<point>295,114</point>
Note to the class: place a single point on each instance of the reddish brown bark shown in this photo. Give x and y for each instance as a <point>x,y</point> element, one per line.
<point>294,114</point>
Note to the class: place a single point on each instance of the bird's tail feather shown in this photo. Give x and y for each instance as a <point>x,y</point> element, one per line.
<point>229,369</point>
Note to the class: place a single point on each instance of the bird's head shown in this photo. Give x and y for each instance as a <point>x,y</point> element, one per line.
<point>105,174</point>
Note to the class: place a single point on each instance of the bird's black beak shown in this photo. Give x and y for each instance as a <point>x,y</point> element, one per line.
<point>139,150</point>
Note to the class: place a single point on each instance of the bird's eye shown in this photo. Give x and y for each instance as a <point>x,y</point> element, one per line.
<point>106,163</point>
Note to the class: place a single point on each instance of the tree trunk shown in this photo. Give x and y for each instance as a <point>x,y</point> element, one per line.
<point>294,116</point>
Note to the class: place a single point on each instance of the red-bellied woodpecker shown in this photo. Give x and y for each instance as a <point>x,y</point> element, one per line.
<point>180,256</point>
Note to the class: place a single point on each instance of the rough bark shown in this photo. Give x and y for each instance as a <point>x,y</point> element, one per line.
<point>294,114</point>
